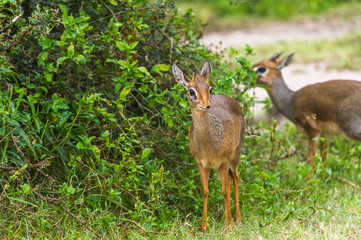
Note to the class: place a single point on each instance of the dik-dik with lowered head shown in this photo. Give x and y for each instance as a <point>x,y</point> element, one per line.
<point>322,109</point>
<point>216,136</point>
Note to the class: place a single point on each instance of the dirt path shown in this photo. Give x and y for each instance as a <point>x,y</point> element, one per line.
<point>295,75</point>
<point>270,33</point>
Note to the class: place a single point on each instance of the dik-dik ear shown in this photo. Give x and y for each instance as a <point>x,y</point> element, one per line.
<point>179,76</point>
<point>275,56</point>
<point>286,61</point>
<point>206,70</point>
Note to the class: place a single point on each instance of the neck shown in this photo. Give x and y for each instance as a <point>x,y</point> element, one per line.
<point>282,97</point>
<point>207,126</point>
<point>199,116</point>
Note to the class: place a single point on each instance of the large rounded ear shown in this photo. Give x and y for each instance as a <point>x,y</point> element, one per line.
<point>206,70</point>
<point>286,61</point>
<point>179,76</point>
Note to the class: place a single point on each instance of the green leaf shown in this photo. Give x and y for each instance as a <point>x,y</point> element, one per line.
<point>170,122</point>
<point>48,76</point>
<point>123,94</point>
<point>22,201</point>
<point>64,117</point>
<point>80,58</point>
<point>117,87</point>
<point>45,43</point>
<point>159,68</point>
<point>26,188</point>
<point>143,70</point>
<point>145,153</point>
<point>31,85</point>
<point>70,190</point>
<point>183,103</point>
<point>60,61</point>
<point>96,151</point>
<point>43,56</point>
<point>113,2</point>
<point>160,100</point>
<point>12,122</point>
<point>143,88</point>
<point>71,50</point>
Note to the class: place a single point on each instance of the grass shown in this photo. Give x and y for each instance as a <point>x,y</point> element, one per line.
<point>335,215</point>
<point>326,207</point>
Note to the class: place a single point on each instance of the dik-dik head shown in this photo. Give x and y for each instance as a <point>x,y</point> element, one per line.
<point>198,89</point>
<point>269,69</point>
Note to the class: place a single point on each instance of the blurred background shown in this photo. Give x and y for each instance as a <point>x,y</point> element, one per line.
<point>324,34</point>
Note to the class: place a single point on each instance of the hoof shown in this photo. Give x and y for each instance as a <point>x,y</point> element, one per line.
<point>203,227</point>
<point>229,225</point>
<point>238,220</point>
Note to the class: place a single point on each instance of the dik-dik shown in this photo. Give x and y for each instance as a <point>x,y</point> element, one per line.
<point>216,136</point>
<point>322,109</point>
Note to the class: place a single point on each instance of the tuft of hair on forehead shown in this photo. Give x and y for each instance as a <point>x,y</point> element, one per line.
<point>199,82</point>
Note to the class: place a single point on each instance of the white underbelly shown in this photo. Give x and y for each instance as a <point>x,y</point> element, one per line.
<point>212,163</point>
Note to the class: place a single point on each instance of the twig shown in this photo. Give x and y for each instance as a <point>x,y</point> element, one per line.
<point>155,232</point>
<point>147,54</point>
<point>171,41</point>
<point>183,163</point>
<point>22,154</point>
<point>37,165</point>
<point>20,134</point>
<point>19,39</point>
<point>144,230</point>
<point>67,211</point>
<point>171,49</point>
<point>291,190</point>
<point>8,134</point>
<point>351,183</point>
<point>110,10</point>
<point>288,155</point>
<point>13,20</point>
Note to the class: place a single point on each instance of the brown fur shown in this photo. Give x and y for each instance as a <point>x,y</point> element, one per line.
<point>216,137</point>
<point>321,109</point>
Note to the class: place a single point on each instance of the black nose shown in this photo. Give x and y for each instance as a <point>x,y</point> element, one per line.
<point>208,107</point>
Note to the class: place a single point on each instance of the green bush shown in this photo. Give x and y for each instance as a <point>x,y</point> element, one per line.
<point>92,120</point>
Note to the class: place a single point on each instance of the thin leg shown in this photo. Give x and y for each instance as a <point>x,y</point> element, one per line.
<point>223,173</point>
<point>204,172</point>
<point>324,151</point>
<point>236,182</point>
<point>311,154</point>
<point>229,186</point>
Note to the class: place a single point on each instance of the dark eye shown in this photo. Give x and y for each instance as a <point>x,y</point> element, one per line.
<point>210,90</point>
<point>261,69</point>
<point>192,93</point>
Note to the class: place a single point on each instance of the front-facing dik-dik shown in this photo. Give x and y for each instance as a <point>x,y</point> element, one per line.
<point>321,109</point>
<point>216,136</point>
